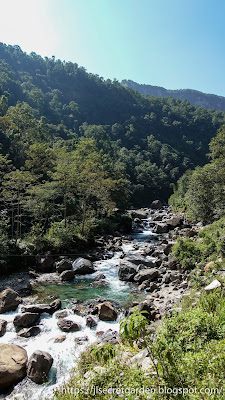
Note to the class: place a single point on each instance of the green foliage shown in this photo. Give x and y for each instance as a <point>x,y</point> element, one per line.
<point>133,327</point>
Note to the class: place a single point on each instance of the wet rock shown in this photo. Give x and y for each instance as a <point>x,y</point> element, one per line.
<point>13,360</point>
<point>91,321</point>
<point>63,265</point>
<point>61,314</point>
<point>137,260</point>
<point>67,325</point>
<point>39,366</point>
<point>156,205</point>
<point>106,311</point>
<point>82,266</point>
<point>29,332</point>
<point>67,275</point>
<point>101,282</point>
<point>3,325</point>
<point>127,271</point>
<point>43,308</point>
<point>26,320</point>
<point>146,274</point>
<point>44,263</point>
<point>60,339</point>
<point>81,339</point>
<point>9,300</point>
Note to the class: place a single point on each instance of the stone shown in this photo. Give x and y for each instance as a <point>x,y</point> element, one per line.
<point>39,365</point>
<point>209,266</point>
<point>213,285</point>
<point>26,320</point>
<point>13,360</point>
<point>140,214</point>
<point>81,339</point>
<point>160,228</point>
<point>174,222</point>
<point>67,275</point>
<point>156,205</point>
<point>3,325</point>
<point>67,325</point>
<point>137,260</point>
<point>146,274</point>
<point>9,300</point>
<point>43,308</point>
<point>63,265</point>
<point>91,322</point>
<point>101,282</point>
<point>127,271</point>
<point>167,249</point>
<point>61,314</point>
<point>44,263</point>
<point>106,311</point>
<point>60,339</point>
<point>82,266</point>
<point>29,332</point>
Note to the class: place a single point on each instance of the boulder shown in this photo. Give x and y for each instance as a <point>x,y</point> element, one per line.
<point>137,260</point>
<point>39,366</point>
<point>67,325</point>
<point>160,228</point>
<point>29,332</point>
<point>91,322</point>
<point>167,249</point>
<point>60,339</point>
<point>44,263</point>
<point>9,300</point>
<point>106,311</point>
<point>127,271</point>
<point>61,314</point>
<point>82,266</point>
<point>101,282</point>
<point>63,265</point>
<point>3,325</point>
<point>13,360</point>
<point>43,308</point>
<point>26,319</point>
<point>110,336</point>
<point>156,205</point>
<point>174,222</point>
<point>140,214</point>
<point>67,276</point>
<point>213,285</point>
<point>146,274</point>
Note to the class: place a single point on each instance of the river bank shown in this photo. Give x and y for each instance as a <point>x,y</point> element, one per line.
<point>134,270</point>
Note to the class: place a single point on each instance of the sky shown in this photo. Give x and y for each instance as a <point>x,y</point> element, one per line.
<point>176,44</point>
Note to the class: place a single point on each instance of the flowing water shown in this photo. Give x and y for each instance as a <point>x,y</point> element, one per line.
<point>66,353</point>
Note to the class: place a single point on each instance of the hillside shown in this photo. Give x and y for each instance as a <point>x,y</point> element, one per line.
<point>195,97</point>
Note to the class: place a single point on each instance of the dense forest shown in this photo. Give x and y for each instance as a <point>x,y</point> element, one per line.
<point>75,146</point>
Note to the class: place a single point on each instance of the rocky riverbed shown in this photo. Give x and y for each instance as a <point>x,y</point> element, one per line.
<point>53,311</point>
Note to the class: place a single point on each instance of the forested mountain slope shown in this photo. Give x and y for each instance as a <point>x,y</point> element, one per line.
<point>195,97</point>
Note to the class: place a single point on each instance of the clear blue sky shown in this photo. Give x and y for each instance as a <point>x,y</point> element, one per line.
<point>171,43</point>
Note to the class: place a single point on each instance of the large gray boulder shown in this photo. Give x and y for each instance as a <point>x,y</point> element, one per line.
<point>127,271</point>
<point>67,275</point>
<point>67,325</point>
<point>146,275</point>
<point>9,300</point>
<point>26,320</point>
<point>43,308</point>
<point>44,263</point>
<point>39,366</point>
<point>13,360</point>
<point>29,332</point>
<point>174,222</point>
<point>63,265</point>
<point>138,259</point>
<point>82,266</point>
<point>3,325</point>
<point>156,205</point>
<point>106,311</point>
<point>161,228</point>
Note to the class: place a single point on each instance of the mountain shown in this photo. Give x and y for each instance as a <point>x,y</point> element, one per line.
<point>195,97</point>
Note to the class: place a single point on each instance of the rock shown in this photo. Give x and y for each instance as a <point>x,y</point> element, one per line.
<point>209,266</point>
<point>106,311</point>
<point>67,275</point>
<point>156,205</point>
<point>137,260</point>
<point>174,222</point>
<point>82,266</point>
<point>140,214</point>
<point>9,300</point>
<point>43,308</point>
<point>13,360</point>
<point>44,263</point>
<point>160,228</point>
<point>111,337</point>
<point>61,314</point>
<point>60,339</point>
<point>167,249</point>
<point>3,325</point>
<point>148,306</point>
<point>146,274</point>
<point>81,339</point>
<point>101,282</point>
<point>26,320</point>
<point>67,325</point>
<point>127,271</point>
<point>63,265</point>
<point>29,332</point>
<point>213,285</point>
<point>91,322</point>
<point>39,366</point>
